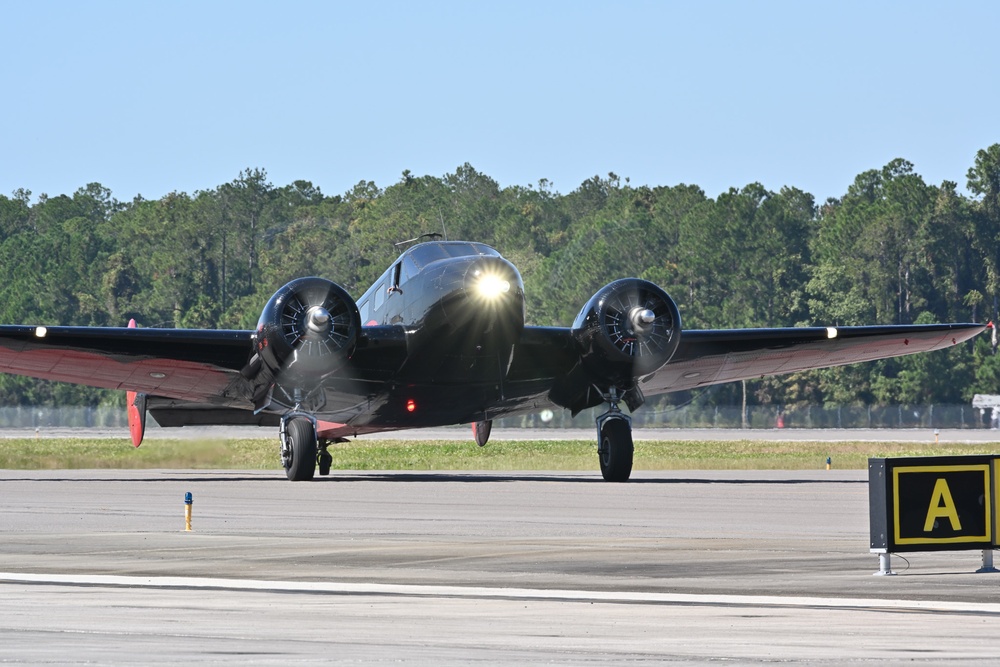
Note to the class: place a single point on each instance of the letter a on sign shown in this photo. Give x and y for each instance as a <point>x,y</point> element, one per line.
<point>941,505</point>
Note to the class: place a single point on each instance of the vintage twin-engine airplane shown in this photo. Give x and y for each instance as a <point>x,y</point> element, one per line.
<point>439,339</point>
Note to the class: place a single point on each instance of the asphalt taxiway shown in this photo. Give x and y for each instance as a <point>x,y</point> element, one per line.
<point>459,568</point>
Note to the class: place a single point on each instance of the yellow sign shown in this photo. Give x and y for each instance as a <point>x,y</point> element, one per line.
<point>943,504</point>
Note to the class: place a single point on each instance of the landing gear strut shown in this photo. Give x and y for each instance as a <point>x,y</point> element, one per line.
<point>614,448</point>
<point>298,447</point>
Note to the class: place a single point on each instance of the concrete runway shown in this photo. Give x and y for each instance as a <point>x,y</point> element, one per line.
<point>460,568</point>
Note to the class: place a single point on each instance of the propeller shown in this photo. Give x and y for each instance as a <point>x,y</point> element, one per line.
<point>306,332</point>
<point>629,328</point>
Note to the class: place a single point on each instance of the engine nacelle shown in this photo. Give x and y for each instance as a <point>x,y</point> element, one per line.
<point>308,330</point>
<point>628,329</point>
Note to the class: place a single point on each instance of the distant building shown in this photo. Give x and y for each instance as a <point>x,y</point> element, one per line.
<point>991,401</point>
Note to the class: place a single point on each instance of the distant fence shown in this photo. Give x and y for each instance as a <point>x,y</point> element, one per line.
<point>688,416</point>
<point>71,417</point>
<point>776,416</point>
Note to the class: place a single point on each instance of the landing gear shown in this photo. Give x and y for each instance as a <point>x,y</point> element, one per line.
<point>298,447</point>
<point>481,431</point>
<point>614,448</point>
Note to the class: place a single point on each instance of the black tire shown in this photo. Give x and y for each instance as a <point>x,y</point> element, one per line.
<point>481,430</point>
<point>301,465</point>
<point>616,450</point>
<point>325,462</point>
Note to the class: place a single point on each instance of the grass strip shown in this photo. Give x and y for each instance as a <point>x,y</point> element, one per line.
<point>262,454</point>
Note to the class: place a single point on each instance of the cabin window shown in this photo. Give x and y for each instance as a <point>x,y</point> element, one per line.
<point>379,295</point>
<point>364,308</point>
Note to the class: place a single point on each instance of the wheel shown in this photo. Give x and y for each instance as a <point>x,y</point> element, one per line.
<point>300,459</point>
<point>616,450</point>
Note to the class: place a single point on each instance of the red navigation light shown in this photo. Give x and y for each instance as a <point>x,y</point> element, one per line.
<point>411,405</point>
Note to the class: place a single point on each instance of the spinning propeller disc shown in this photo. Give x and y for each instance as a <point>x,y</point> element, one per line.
<point>623,320</point>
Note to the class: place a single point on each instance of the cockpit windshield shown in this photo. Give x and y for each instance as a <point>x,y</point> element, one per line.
<point>427,253</point>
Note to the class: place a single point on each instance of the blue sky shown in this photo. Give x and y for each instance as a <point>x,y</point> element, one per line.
<point>148,98</point>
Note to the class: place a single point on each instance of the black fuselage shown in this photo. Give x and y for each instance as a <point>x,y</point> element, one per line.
<point>460,308</point>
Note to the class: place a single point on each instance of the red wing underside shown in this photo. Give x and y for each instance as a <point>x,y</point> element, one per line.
<point>714,357</point>
<point>185,380</point>
<point>189,365</point>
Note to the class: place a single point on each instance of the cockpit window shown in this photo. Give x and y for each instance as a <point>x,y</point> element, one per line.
<point>396,275</point>
<point>409,269</point>
<point>427,253</point>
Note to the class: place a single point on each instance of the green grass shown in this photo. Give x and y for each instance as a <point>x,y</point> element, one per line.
<point>262,454</point>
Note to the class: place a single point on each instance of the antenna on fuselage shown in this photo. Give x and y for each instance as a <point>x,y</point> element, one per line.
<point>432,236</point>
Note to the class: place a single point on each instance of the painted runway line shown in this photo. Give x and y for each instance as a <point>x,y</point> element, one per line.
<point>412,590</point>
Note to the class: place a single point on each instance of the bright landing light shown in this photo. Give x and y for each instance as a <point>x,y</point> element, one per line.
<point>491,286</point>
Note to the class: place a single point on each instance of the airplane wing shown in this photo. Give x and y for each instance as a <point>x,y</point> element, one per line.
<point>187,364</point>
<point>716,356</point>
<point>193,367</point>
<point>706,357</point>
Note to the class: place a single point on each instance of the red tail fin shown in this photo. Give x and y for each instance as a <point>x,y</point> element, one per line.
<point>136,410</point>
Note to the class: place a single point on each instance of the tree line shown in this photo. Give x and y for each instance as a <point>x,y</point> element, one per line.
<point>892,250</point>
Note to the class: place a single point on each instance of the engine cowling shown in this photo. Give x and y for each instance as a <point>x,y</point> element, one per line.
<point>628,329</point>
<point>307,330</point>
